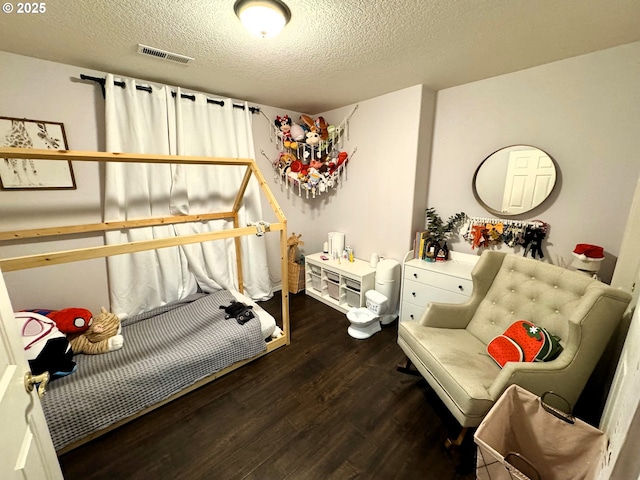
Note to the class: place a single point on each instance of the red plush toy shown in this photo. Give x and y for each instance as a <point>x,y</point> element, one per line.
<point>68,320</point>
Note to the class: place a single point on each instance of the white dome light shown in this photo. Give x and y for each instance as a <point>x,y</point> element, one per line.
<point>264,18</point>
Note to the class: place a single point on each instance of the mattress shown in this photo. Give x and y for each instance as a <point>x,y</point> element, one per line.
<point>165,351</point>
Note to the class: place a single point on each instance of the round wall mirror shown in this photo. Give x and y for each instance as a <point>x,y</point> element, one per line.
<point>514,180</point>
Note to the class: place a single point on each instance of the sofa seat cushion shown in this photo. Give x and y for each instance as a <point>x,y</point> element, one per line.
<point>457,361</point>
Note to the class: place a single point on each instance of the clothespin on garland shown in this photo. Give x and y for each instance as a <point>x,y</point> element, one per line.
<point>485,232</point>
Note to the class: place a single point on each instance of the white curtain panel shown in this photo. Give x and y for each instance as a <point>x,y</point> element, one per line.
<point>157,122</point>
<point>204,129</point>
<point>139,122</point>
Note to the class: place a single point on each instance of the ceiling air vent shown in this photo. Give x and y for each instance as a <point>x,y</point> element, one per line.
<point>156,52</point>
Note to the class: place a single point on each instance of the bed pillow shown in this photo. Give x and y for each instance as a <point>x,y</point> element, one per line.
<point>524,342</point>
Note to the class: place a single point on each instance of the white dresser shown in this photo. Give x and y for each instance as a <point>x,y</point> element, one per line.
<point>424,282</point>
<point>338,283</point>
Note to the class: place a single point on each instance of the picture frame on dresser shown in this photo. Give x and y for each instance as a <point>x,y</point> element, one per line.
<point>32,174</point>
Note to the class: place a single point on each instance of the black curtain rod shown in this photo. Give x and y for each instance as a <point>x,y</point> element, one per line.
<point>101,82</point>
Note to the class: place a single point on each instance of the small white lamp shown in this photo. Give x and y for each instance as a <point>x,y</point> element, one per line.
<point>264,18</point>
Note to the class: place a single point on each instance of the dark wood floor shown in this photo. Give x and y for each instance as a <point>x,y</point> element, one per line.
<point>326,407</point>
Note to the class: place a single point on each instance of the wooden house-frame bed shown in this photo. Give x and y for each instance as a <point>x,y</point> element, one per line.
<point>101,251</point>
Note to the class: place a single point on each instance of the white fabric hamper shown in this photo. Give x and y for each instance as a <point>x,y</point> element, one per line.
<point>519,438</point>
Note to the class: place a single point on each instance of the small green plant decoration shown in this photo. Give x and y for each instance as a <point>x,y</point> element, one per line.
<point>439,232</point>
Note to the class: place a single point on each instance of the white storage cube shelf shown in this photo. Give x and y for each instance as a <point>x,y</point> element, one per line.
<point>338,283</point>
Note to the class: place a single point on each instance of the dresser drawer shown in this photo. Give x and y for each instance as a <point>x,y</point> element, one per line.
<point>411,312</point>
<point>421,294</point>
<point>443,281</point>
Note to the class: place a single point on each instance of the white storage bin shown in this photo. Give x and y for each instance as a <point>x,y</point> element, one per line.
<point>353,298</point>
<point>316,283</point>
<point>315,268</point>
<point>353,284</point>
<point>334,289</point>
<point>332,276</point>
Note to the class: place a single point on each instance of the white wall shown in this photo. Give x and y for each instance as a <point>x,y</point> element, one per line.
<point>374,205</point>
<point>584,112</point>
<point>423,164</point>
<point>628,266</point>
<point>40,90</point>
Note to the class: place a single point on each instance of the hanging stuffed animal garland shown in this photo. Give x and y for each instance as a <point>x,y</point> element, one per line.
<point>310,158</point>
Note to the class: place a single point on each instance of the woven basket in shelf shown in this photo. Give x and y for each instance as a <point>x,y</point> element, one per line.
<point>296,277</point>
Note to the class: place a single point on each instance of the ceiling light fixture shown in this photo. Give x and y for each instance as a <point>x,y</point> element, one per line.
<point>264,18</point>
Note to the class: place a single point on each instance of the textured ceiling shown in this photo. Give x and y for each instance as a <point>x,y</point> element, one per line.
<point>332,53</point>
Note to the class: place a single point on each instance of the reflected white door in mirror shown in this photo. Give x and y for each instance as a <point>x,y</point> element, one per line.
<point>514,180</point>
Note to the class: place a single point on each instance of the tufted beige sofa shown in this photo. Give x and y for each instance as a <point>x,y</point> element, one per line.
<point>448,344</point>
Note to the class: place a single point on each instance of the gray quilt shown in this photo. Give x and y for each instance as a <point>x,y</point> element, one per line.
<point>165,351</point>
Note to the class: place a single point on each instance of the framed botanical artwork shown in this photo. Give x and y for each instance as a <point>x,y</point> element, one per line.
<point>18,174</point>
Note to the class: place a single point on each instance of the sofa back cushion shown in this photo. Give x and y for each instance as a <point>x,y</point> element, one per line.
<point>528,289</point>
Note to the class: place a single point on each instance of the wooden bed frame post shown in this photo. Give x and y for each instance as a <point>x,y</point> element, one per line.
<point>284,264</point>
<point>236,208</point>
<point>238,244</point>
<point>285,283</point>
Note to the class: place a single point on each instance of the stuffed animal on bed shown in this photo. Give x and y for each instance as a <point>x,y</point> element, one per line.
<point>102,336</point>
<point>238,310</point>
<point>46,348</point>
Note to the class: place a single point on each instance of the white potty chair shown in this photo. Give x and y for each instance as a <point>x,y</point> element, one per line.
<point>365,321</point>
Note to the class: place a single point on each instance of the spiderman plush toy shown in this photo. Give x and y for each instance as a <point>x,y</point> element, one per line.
<point>68,320</point>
